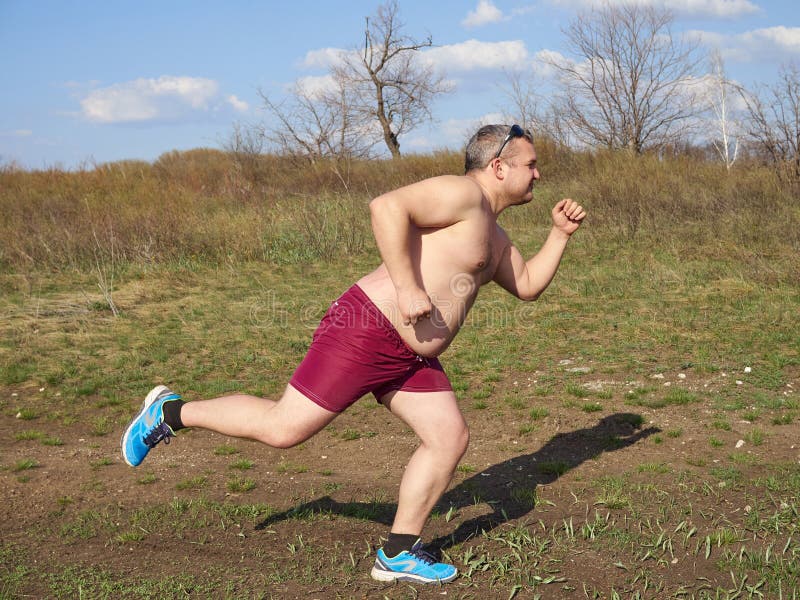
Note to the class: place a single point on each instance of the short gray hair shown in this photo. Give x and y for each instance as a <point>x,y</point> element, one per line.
<point>484,145</point>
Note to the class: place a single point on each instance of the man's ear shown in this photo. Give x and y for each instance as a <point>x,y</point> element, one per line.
<point>498,168</point>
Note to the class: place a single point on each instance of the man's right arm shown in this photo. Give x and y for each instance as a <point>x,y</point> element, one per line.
<point>432,203</point>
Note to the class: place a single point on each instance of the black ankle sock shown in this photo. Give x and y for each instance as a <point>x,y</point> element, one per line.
<point>398,542</point>
<point>172,414</point>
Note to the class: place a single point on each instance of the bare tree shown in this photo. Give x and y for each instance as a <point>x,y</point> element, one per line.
<point>774,119</point>
<point>525,102</point>
<point>245,146</point>
<point>631,87</point>
<point>726,142</point>
<point>388,81</point>
<point>317,123</point>
<point>531,109</point>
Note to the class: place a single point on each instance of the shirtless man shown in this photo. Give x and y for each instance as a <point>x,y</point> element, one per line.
<point>440,242</point>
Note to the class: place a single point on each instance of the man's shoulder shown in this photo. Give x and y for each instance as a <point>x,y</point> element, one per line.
<point>457,188</point>
<point>456,182</point>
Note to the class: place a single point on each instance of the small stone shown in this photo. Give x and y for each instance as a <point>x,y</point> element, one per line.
<point>739,382</point>
<point>739,444</point>
<point>658,376</point>
<point>747,369</point>
<point>747,509</point>
<point>681,375</point>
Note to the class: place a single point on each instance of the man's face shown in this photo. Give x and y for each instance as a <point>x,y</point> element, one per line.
<point>522,171</point>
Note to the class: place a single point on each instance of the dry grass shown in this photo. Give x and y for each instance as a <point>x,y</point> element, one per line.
<point>207,206</point>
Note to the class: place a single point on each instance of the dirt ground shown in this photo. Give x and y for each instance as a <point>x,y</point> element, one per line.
<point>81,511</point>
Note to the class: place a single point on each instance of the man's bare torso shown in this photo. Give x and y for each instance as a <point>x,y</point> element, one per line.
<point>452,264</point>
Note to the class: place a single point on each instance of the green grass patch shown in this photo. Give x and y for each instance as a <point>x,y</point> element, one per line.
<point>350,435</point>
<point>660,468</point>
<point>538,413</point>
<point>242,464</point>
<point>674,397</point>
<point>24,464</point>
<point>576,390</point>
<point>28,435</point>
<point>553,467</point>
<point>241,485</point>
<point>193,483</point>
<point>783,419</point>
<point>755,436</point>
<point>290,467</point>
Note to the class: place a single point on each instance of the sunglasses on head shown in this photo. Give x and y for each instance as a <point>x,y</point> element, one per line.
<point>515,132</point>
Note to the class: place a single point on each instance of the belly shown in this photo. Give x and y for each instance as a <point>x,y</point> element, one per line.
<point>451,298</point>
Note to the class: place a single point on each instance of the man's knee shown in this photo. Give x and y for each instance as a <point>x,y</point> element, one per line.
<point>282,439</point>
<point>456,440</point>
<point>463,439</point>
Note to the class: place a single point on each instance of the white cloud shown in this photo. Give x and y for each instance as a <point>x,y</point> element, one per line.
<point>149,99</point>
<point>237,104</point>
<point>543,62</point>
<point>695,8</point>
<point>708,8</point>
<point>419,143</point>
<point>458,131</point>
<point>323,58</point>
<point>314,86</point>
<point>773,43</point>
<point>486,12</point>
<point>470,55</point>
<point>473,54</point>
<point>708,89</point>
<point>783,39</point>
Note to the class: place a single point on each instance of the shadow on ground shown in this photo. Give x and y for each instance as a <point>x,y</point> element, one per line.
<point>509,488</point>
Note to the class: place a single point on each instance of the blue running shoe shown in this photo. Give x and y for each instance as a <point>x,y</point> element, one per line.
<point>412,565</point>
<point>148,427</point>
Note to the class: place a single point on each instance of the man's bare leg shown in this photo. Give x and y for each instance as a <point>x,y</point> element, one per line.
<point>440,426</point>
<point>282,424</point>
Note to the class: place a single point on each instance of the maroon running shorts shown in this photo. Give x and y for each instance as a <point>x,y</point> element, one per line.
<point>356,350</point>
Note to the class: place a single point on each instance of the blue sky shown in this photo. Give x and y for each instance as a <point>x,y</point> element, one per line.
<point>98,81</point>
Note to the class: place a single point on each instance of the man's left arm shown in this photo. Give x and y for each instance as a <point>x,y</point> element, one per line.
<point>528,279</point>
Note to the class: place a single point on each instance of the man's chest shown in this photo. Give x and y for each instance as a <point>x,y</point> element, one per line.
<point>469,247</point>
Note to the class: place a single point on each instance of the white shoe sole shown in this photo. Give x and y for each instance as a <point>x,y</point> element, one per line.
<point>383,575</point>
